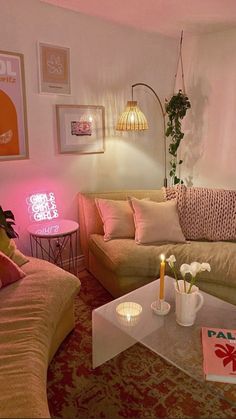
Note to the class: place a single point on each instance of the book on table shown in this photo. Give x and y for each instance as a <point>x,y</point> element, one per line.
<point>219,354</point>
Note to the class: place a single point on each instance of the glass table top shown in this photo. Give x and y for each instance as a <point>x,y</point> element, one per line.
<point>179,345</point>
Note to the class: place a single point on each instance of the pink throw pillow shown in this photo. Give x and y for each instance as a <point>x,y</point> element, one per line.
<point>117,218</point>
<point>9,271</point>
<point>8,247</point>
<point>156,222</point>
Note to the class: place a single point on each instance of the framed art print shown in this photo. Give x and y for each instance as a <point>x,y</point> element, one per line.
<point>54,69</point>
<point>13,119</point>
<point>80,128</point>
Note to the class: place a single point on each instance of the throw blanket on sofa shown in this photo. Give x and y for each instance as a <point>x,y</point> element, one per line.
<point>205,213</point>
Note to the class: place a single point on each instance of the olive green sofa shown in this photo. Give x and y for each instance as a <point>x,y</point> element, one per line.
<point>121,265</point>
<point>36,314</point>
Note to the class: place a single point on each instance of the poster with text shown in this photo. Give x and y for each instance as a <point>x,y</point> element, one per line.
<point>13,121</point>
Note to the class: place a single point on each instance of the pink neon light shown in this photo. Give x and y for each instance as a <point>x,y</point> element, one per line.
<point>42,206</point>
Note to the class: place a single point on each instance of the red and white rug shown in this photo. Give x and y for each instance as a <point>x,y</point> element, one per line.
<point>135,384</point>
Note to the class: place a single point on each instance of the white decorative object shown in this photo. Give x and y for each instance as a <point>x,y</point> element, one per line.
<point>160,307</point>
<point>193,270</point>
<point>187,304</point>
<point>128,313</point>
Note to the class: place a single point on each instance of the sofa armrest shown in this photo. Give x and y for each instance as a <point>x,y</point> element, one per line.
<point>89,219</point>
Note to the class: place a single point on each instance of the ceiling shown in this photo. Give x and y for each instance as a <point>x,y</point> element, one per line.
<point>163,16</point>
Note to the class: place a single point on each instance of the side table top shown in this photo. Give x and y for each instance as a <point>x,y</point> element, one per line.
<point>55,228</point>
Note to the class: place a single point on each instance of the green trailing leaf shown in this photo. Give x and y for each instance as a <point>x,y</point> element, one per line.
<point>176,109</point>
<point>7,220</point>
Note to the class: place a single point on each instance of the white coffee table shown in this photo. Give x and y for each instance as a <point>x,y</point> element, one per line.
<point>179,345</point>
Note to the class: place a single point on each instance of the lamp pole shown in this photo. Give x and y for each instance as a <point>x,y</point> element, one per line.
<point>164,122</point>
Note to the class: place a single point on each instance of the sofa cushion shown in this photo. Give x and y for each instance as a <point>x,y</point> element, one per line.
<point>8,246</point>
<point>205,213</point>
<point>89,219</point>
<point>156,222</point>
<point>30,311</point>
<point>9,271</point>
<point>125,258</point>
<point>117,218</point>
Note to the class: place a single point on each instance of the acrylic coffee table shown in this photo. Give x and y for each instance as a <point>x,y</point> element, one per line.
<point>179,345</point>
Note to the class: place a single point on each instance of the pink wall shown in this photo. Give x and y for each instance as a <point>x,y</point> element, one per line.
<point>105,60</point>
<point>209,147</point>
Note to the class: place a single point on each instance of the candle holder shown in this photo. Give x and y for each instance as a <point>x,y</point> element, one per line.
<point>128,313</point>
<point>160,307</point>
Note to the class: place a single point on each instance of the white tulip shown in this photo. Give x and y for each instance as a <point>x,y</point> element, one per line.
<point>205,267</point>
<point>171,261</point>
<point>195,268</point>
<point>185,269</point>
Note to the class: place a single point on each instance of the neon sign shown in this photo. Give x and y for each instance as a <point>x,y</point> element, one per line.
<point>42,206</point>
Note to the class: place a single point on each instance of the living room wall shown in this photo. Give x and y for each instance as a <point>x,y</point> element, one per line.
<point>105,60</point>
<point>209,146</point>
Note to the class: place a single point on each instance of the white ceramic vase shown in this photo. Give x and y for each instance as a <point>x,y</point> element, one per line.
<point>187,305</point>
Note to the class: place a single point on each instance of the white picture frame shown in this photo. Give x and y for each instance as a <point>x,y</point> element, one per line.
<point>80,128</point>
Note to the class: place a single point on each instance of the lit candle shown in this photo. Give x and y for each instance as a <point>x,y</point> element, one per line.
<point>162,274</point>
<point>128,313</point>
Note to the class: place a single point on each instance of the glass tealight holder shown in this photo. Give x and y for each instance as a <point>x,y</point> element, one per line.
<point>128,313</point>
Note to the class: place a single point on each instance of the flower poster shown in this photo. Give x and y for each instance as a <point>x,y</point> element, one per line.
<point>54,69</point>
<point>13,121</point>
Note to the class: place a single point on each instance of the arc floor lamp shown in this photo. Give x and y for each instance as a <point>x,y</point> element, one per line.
<point>133,119</point>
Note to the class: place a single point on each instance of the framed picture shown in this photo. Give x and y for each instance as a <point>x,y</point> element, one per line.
<point>13,119</point>
<point>54,69</point>
<point>80,128</point>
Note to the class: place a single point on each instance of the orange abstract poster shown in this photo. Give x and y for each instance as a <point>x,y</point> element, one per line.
<point>13,128</point>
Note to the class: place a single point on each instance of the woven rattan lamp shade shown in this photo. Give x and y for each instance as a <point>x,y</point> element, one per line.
<point>132,119</point>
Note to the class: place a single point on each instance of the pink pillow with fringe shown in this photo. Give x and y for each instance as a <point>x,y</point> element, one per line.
<point>9,271</point>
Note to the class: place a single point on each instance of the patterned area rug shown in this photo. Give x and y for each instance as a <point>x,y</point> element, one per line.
<point>135,384</point>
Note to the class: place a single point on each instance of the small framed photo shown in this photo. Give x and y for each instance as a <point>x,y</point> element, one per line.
<point>54,69</point>
<point>80,128</point>
<point>13,119</point>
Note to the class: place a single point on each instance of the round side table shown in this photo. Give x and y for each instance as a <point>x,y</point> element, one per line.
<point>50,239</point>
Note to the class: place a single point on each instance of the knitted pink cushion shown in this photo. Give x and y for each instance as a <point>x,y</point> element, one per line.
<point>205,213</point>
<point>9,271</point>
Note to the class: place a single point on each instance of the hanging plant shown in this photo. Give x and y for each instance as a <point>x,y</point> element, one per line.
<point>7,220</point>
<point>176,109</point>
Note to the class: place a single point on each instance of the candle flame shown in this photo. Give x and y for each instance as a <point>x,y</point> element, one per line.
<point>162,257</point>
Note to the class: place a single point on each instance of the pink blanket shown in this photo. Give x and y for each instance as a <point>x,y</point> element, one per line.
<point>205,213</point>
